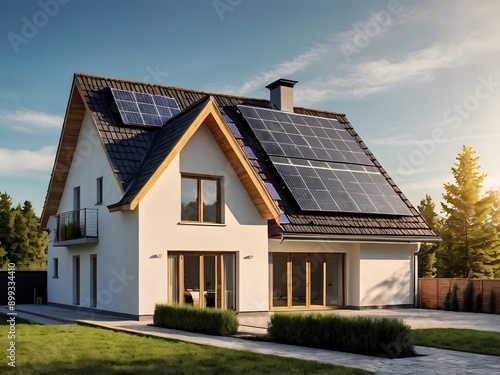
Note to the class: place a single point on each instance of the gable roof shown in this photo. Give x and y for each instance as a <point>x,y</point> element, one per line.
<point>136,154</point>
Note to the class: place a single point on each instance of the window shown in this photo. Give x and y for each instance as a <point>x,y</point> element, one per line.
<point>99,190</point>
<point>200,199</point>
<point>55,269</point>
<point>93,280</point>
<point>76,198</point>
<point>76,280</point>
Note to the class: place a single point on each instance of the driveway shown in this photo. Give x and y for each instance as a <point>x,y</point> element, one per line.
<point>416,318</point>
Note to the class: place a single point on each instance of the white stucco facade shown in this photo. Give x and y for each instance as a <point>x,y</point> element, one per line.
<point>243,231</point>
<point>133,248</point>
<point>117,289</point>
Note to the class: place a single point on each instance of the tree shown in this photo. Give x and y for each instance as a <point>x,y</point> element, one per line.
<point>21,240</point>
<point>469,237</point>
<point>427,253</point>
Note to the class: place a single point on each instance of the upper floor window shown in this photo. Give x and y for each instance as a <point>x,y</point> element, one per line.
<point>201,199</point>
<point>99,190</point>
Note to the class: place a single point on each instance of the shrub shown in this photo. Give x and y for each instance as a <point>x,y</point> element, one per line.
<point>479,303</point>
<point>378,336</point>
<point>468,305</point>
<point>63,232</point>
<point>491,302</point>
<point>454,298</point>
<point>196,319</point>
<point>74,230</point>
<point>447,301</point>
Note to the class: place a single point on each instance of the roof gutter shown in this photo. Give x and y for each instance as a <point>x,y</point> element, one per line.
<point>358,238</point>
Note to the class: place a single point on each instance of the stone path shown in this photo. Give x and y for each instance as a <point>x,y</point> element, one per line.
<point>433,361</point>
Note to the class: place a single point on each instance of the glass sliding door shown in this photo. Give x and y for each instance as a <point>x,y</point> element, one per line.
<point>334,278</point>
<point>280,280</point>
<point>316,270</point>
<point>202,279</point>
<point>173,277</point>
<point>306,280</point>
<point>229,282</point>
<point>209,285</point>
<point>300,280</point>
<point>192,280</point>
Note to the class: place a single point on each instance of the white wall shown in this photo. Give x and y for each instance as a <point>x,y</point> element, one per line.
<point>244,231</point>
<point>375,274</point>
<point>351,259</point>
<point>386,273</point>
<point>118,235</point>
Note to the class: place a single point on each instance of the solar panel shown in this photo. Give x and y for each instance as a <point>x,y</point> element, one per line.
<point>336,187</point>
<point>138,108</point>
<point>302,136</point>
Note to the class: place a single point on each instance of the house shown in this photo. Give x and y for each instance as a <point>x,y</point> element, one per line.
<point>167,195</point>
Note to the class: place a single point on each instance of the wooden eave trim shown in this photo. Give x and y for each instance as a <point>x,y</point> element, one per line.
<point>255,187</point>
<point>58,181</point>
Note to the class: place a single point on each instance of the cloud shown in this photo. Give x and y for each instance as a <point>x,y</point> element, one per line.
<point>25,162</point>
<point>398,140</point>
<point>279,70</point>
<point>25,119</point>
<point>381,75</point>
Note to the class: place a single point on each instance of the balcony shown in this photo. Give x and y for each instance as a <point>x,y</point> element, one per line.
<point>77,227</point>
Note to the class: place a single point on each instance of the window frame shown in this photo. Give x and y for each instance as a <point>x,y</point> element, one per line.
<point>199,186</point>
<point>99,190</point>
<point>55,268</point>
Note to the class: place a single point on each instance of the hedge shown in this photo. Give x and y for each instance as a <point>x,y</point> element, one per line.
<point>196,319</point>
<point>370,336</point>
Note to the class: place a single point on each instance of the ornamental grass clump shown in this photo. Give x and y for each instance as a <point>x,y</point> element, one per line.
<point>370,336</point>
<point>196,319</point>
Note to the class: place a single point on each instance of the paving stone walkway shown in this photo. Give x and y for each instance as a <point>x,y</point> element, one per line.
<point>432,361</point>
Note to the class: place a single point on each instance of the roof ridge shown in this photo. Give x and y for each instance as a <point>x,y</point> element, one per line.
<point>209,93</point>
<point>154,141</point>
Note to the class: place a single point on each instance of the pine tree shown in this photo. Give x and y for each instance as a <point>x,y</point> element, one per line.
<point>21,240</point>
<point>468,236</point>
<point>427,253</point>
<point>37,238</point>
<point>5,227</point>
<point>494,222</point>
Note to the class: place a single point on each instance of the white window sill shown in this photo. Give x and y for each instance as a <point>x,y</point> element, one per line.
<point>196,223</point>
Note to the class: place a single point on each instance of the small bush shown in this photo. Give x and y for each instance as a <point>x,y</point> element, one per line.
<point>379,336</point>
<point>468,305</point>
<point>196,319</point>
<point>479,303</point>
<point>491,302</point>
<point>447,301</point>
<point>454,298</point>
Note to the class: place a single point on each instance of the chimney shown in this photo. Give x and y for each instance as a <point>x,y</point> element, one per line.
<point>282,94</point>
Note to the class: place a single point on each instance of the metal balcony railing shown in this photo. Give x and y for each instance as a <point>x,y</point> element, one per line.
<point>78,226</point>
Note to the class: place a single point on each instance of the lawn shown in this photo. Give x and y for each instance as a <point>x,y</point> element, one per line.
<point>76,349</point>
<point>464,340</point>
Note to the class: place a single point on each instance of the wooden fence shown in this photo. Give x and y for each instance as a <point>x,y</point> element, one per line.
<point>432,292</point>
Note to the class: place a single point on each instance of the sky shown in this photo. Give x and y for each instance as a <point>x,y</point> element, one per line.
<point>417,80</point>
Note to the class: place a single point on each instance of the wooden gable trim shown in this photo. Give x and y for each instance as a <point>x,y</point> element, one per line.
<point>75,113</point>
<point>211,116</point>
<point>73,120</point>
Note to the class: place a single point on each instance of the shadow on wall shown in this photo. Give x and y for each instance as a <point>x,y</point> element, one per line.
<point>394,290</point>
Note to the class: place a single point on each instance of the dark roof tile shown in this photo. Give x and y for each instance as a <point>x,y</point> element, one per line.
<point>135,152</point>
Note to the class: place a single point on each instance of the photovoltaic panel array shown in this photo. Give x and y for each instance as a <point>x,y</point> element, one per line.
<point>337,187</point>
<point>322,165</point>
<point>137,108</point>
<point>303,137</point>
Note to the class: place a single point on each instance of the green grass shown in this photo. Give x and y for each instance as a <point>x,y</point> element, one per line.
<point>464,340</point>
<point>77,349</point>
